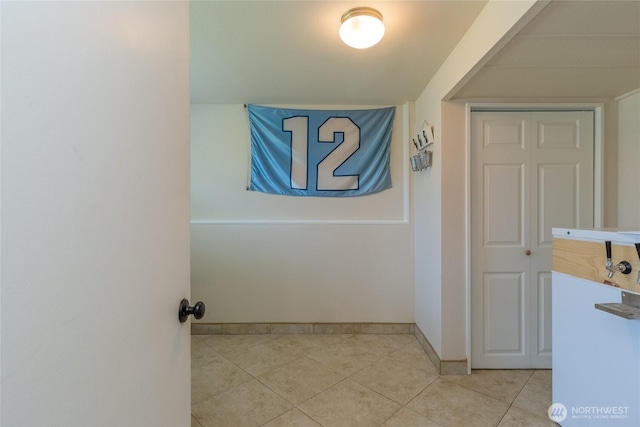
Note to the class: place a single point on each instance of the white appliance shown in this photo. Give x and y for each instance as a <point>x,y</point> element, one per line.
<point>596,352</point>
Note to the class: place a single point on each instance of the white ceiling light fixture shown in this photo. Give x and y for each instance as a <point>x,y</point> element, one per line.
<point>361,27</point>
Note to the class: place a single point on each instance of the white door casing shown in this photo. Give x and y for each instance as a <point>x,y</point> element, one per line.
<point>95,213</point>
<point>530,171</point>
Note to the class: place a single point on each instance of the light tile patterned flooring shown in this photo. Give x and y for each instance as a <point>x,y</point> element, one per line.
<point>349,381</point>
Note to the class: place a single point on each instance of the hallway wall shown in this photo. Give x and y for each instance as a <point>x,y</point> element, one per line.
<point>265,258</point>
<point>439,195</point>
<point>441,300</point>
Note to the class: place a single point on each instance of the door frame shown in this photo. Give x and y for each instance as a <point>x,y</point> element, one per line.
<point>598,177</point>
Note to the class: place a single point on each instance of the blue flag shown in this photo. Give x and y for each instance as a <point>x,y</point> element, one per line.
<point>333,153</point>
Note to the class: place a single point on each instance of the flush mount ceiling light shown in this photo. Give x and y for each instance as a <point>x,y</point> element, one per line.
<point>361,27</point>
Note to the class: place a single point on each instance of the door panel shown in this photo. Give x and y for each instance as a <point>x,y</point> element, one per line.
<point>530,172</point>
<point>95,213</point>
<point>504,319</point>
<point>542,300</point>
<point>558,199</point>
<point>554,134</point>
<point>504,133</point>
<point>503,202</point>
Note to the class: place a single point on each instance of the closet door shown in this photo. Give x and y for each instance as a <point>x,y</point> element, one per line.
<point>530,171</point>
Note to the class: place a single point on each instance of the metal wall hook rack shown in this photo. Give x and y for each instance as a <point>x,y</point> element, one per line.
<point>424,139</point>
<point>422,160</point>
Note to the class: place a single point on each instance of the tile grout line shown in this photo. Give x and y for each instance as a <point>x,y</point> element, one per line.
<point>529,380</point>
<point>348,377</point>
<point>402,406</point>
<point>302,403</point>
<point>487,395</point>
<point>531,377</point>
<point>306,356</point>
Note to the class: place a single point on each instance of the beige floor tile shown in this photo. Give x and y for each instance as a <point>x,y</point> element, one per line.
<point>198,339</point>
<point>542,376</point>
<point>387,371</point>
<point>399,381</point>
<point>249,404</point>
<point>201,353</point>
<point>291,328</point>
<point>500,384</point>
<point>414,355</point>
<point>293,418</point>
<point>225,344</point>
<point>262,358</point>
<point>347,357</point>
<point>382,343</point>
<point>215,375</point>
<point>516,417</point>
<point>348,404</point>
<point>311,342</point>
<point>300,380</point>
<point>535,397</point>
<point>450,404</point>
<point>406,418</point>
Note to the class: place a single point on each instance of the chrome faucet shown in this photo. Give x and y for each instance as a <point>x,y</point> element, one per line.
<point>638,250</point>
<point>609,265</point>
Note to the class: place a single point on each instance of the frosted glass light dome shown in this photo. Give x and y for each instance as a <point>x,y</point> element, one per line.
<point>361,27</point>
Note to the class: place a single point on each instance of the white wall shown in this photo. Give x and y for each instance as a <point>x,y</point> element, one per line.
<point>439,194</point>
<point>267,258</point>
<point>629,160</point>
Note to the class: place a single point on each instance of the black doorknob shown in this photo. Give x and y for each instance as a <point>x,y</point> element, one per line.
<point>185,310</point>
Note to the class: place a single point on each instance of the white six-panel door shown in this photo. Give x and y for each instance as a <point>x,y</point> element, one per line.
<point>530,172</point>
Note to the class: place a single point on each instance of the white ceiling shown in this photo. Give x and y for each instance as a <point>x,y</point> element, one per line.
<point>572,49</point>
<point>289,52</point>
